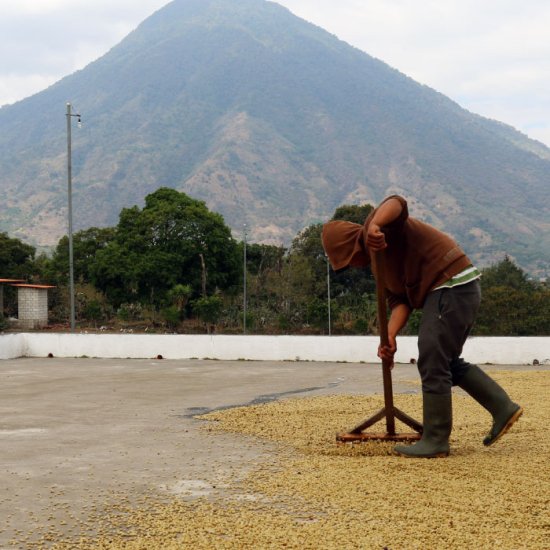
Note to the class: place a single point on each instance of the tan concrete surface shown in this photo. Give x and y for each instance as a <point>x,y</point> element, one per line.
<point>75,433</point>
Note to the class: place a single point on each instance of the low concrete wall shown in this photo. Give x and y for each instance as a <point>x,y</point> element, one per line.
<point>353,349</point>
<point>12,346</point>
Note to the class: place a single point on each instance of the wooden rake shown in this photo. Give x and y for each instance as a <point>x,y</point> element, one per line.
<point>390,411</point>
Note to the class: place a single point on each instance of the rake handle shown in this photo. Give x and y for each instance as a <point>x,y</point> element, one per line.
<point>379,269</point>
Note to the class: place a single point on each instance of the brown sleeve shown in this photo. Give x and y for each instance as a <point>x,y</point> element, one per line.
<point>395,299</point>
<point>398,222</point>
<point>404,213</point>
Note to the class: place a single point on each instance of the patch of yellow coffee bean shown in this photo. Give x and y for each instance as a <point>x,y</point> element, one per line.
<point>317,494</point>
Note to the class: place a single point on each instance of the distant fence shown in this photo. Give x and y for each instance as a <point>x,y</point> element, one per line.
<point>352,349</point>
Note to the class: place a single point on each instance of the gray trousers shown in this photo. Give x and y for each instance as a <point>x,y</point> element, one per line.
<point>447,318</point>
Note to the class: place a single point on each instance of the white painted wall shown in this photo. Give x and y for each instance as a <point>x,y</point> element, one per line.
<point>12,346</point>
<point>353,349</point>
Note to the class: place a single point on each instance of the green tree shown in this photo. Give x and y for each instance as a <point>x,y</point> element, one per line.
<point>171,316</point>
<point>506,274</point>
<point>115,271</point>
<point>86,244</point>
<point>265,265</point>
<point>16,258</point>
<point>16,262</point>
<point>179,295</point>
<point>353,213</point>
<point>512,305</point>
<point>208,309</point>
<point>308,257</point>
<point>261,258</point>
<point>93,311</point>
<point>173,238</point>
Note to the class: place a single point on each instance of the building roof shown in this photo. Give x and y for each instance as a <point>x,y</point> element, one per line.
<point>33,286</point>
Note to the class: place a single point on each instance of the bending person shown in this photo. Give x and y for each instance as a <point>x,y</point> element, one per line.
<point>427,270</point>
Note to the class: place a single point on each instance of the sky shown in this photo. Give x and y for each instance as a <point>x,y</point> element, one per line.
<point>491,56</point>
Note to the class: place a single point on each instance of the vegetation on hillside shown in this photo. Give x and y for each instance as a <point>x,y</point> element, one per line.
<point>173,266</point>
<point>273,122</point>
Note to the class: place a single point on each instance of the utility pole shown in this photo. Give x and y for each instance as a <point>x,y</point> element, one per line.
<point>244,279</point>
<point>70,212</point>
<point>328,295</point>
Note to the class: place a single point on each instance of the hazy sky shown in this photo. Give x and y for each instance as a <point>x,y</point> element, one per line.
<point>491,56</point>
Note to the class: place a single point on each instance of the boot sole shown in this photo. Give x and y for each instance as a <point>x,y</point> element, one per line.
<point>511,421</point>
<point>436,455</point>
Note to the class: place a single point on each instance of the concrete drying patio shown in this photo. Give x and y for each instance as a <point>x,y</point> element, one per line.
<point>77,434</point>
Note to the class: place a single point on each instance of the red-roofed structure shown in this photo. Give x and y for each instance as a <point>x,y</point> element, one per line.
<point>32,303</point>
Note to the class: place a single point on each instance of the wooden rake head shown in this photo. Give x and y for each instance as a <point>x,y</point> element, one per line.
<point>389,412</point>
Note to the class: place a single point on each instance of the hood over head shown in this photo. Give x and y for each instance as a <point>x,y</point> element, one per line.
<point>344,245</point>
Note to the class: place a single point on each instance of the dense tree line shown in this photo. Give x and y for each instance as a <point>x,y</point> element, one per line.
<point>174,266</point>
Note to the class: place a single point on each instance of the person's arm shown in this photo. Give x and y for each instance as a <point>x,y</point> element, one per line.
<point>386,213</point>
<point>398,319</point>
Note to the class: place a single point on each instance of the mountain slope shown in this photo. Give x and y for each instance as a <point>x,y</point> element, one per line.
<point>273,122</point>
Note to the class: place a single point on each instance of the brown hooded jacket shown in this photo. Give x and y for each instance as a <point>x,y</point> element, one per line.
<point>419,257</point>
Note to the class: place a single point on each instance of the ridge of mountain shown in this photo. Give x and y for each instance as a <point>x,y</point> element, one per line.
<point>273,122</point>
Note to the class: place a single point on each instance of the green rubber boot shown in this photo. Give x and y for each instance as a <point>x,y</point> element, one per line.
<point>492,397</point>
<point>438,422</point>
